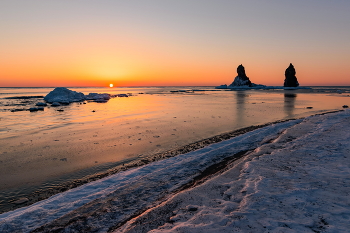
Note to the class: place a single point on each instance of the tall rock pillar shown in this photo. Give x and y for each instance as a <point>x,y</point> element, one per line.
<point>290,80</point>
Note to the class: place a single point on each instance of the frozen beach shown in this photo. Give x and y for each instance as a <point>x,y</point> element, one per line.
<point>49,151</point>
<point>296,181</point>
<point>291,176</point>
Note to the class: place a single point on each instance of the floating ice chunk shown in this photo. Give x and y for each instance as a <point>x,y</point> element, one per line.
<point>18,110</point>
<point>36,109</point>
<point>224,86</point>
<point>64,95</point>
<point>66,102</point>
<point>288,88</point>
<point>101,101</point>
<point>41,104</point>
<point>55,104</point>
<point>96,96</point>
<point>259,86</point>
<point>122,95</point>
<point>33,109</point>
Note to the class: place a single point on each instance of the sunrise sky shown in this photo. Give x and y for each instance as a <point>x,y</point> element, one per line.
<point>172,43</point>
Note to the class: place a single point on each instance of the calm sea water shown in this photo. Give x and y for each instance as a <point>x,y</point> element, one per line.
<point>41,150</point>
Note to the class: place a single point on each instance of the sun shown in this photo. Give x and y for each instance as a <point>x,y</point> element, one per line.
<point>111,85</point>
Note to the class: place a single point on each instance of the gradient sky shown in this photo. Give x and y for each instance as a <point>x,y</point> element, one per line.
<point>180,42</point>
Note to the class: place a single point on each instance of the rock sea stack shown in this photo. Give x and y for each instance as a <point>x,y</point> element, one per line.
<point>241,79</point>
<point>291,79</point>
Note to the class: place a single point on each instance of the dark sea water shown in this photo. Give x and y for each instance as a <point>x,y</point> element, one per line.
<point>45,149</point>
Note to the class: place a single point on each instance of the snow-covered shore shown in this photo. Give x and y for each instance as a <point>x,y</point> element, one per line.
<point>298,182</point>
<point>295,178</point>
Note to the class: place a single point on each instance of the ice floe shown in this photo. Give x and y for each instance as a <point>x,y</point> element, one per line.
<point>98,97</point>
<point>64,95</point>
<point>259,86</point>
<point>41,104</point>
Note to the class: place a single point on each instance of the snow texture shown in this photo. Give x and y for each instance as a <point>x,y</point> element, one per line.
<point>134,189</point>
<point>298,182</point>
<point>296,179</point>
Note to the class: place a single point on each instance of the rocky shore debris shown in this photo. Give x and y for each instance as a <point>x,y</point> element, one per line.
<point>41,104</point>
<point>291,79</point>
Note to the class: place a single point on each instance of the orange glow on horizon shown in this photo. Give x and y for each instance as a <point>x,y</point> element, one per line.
<point>36,73</point>
<point>147,63</point>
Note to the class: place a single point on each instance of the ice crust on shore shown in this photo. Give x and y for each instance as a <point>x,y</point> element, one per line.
<point>295,180</point>
<point>259,86</point>
<point>65,96</point>
<point>153,181</point>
